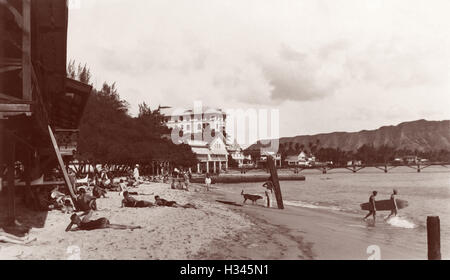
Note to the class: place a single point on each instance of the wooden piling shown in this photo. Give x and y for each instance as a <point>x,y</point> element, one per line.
<point>10,159</point>
<point>434,237</point>
<point>2,154</point>
<point>275,182</point>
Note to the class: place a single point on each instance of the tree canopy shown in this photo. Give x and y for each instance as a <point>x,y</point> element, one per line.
<point>108,134</point>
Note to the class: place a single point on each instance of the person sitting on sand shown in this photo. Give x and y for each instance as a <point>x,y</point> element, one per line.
<point>87,224</point>
<point>162,202</point>
<point>372,207</point>
<point>394,203</point>
<point>98,192</point>
<point>173,186</point>
<point>86,202</point>
<point>62,201</point>
<point>166,179</point>
<point>129,201</point>
<point>208,182</point>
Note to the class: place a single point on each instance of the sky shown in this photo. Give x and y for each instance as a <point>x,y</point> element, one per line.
<point>325,66</point>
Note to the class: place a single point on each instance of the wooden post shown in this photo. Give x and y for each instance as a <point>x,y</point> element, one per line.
<point>61,165</point>
<point>275,182</point>
<point>29,192</point>
<point>10,155</point>
<point>434,238</point>
<point>26,50</point>
<point>2,154</point>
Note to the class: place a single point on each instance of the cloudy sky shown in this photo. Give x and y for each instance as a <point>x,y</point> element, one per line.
<point>334,65</point>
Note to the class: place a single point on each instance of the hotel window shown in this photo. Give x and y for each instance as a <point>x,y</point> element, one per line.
<point>188,127</point>
<point>213,118</point>
<point>199,126</point>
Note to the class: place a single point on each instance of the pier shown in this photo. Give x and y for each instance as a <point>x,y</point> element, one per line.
<point>385,167</point>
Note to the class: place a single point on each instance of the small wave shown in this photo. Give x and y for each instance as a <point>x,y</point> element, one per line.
<point>312,206</point>
<point>401,222</point>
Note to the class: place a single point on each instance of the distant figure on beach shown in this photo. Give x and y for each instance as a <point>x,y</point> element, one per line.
<point>136,172</point>
<point>372,209</point>
<point>268,185</point>
<point>186,180</point>
<point>129,201</point>
<point>162,202</point>
<point>208,182</point>
<point>87,224</point>
<point>72,178</point>
<point>98,192</point>
<point>175,172</point>
<point>394,203</point>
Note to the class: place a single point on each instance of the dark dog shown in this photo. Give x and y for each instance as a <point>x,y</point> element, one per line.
<point>252,197</point>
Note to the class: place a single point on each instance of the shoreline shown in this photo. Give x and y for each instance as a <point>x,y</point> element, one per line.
<point>214,231</point>
<point>325,234</point>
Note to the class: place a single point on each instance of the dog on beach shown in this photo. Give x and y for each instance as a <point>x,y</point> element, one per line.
<point>252,197</point>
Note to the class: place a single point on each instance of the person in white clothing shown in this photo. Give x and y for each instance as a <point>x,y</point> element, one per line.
<point>208,182</point>
<point>136,172</point>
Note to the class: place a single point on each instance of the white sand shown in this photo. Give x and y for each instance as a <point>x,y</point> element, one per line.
<point>167,233</point>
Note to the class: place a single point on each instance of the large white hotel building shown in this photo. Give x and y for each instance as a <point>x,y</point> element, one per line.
<point>205,132</point>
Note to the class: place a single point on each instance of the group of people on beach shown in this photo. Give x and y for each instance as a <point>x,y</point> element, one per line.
<point>103,184</point>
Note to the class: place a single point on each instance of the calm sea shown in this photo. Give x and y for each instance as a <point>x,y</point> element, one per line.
<point>341,191</point>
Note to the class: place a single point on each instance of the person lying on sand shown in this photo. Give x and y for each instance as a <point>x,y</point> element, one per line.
<point>9,238</point>
<point>162,202</point>
<point>129,201</point>
<point>87,224</point>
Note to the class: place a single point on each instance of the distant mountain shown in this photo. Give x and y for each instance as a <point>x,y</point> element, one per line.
<point>422,135</point>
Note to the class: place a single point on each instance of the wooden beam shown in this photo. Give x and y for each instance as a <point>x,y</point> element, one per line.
<point>61,164</point>
<point>26,51</point>
<point>10,99</point>
<point>15,108</point>
<point>15,13</point>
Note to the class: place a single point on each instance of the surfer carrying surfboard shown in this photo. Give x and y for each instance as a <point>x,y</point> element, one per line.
<point>394,202</point>
<point>372,207</point>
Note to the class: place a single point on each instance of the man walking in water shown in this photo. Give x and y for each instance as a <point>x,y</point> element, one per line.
<point>394,203</point>
<point>372,207</point>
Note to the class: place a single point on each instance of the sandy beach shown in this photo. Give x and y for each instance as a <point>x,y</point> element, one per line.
<point>213,231</point>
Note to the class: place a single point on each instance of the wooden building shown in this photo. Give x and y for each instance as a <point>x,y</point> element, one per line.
<point>38,103</point>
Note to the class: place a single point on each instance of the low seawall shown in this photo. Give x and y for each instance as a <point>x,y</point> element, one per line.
<point>230,179</point>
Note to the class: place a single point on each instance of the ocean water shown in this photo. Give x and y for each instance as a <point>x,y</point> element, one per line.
<point>341,191</point>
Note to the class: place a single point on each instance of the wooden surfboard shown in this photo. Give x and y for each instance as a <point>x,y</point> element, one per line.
<point>386,205</point>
